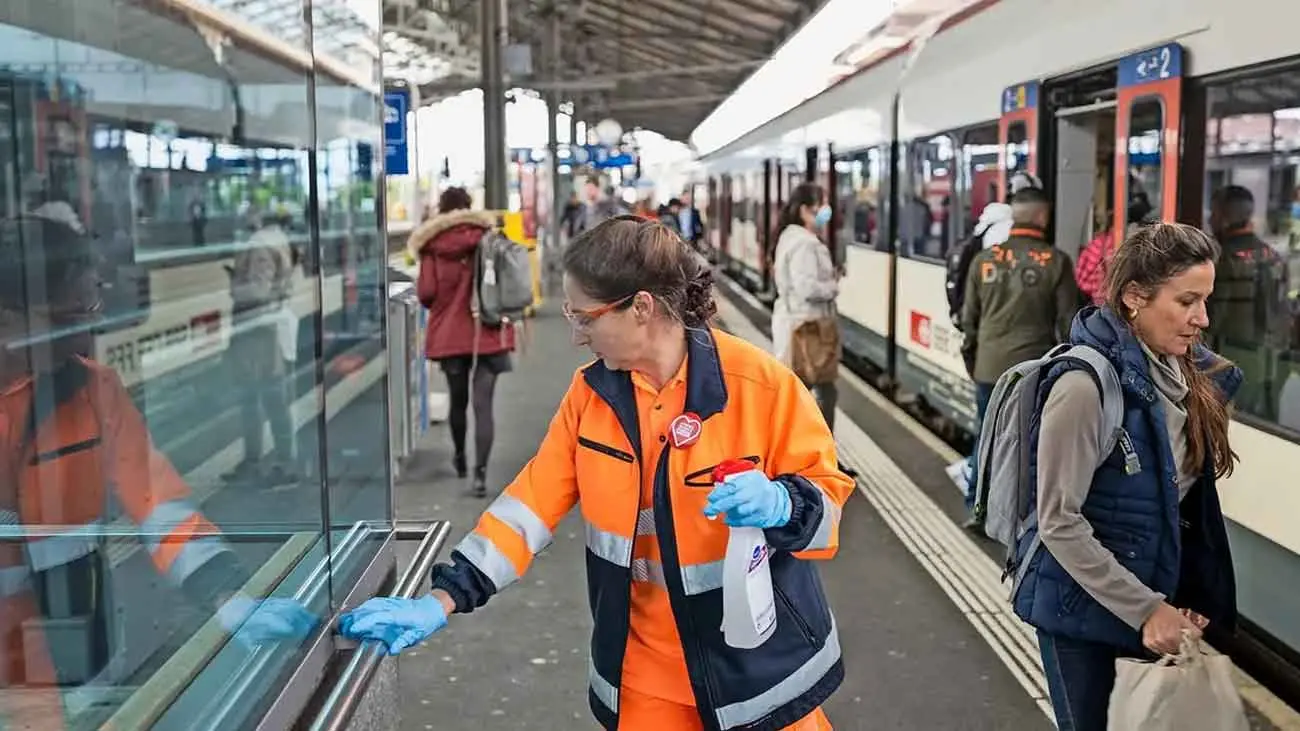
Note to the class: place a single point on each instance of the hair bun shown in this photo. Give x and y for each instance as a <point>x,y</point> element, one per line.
<point>699,307</point>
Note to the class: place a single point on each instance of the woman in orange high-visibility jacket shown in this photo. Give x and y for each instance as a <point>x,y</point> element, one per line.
<point>71,439</point>
<point>634,443</point>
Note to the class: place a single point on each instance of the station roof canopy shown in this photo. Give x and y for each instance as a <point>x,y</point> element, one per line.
<point>661,65</point>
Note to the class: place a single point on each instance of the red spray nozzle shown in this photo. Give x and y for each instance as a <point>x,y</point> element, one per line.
<point>731,467</point>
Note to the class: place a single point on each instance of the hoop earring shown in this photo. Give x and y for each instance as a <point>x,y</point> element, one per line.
<point>1132,314</point>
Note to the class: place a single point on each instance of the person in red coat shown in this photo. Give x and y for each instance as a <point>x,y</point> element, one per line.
<point>471,355</point>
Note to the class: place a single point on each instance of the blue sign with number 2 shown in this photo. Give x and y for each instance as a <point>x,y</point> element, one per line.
<point>1154,64</point>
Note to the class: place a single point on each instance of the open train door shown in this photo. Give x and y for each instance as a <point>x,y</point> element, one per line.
<point>1018,133</point>
<point>1148,126</point>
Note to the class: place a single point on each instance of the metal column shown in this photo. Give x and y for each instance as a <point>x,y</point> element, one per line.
<point>491,40</point>
<point>552,139</point>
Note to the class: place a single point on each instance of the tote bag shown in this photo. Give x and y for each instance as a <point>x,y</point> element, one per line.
<point>1190,691</point>
<point>815,351</point>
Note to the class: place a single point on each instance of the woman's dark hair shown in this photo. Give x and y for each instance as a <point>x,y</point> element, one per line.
<point>1147,259</point>
<point>454,199</point>
<point>804,194</point>
<point>625,255</point>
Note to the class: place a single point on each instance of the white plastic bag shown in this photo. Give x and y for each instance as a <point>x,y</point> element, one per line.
<point>1190,691</point>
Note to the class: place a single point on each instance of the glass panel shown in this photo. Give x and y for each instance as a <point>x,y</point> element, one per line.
<point>159,327</point>
<point>354,283</point>
<point>1252,169</point>
<point>979,181</point>
<point>1017,150</point>
<point>1145,161</point>
<point>858,196</point>
<point>926,208</point>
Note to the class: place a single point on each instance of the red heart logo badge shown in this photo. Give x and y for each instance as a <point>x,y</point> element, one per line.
<point>685,430</point>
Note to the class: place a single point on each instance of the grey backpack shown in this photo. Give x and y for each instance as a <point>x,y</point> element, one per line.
<point>503,280</point>
<point>1003,494</point>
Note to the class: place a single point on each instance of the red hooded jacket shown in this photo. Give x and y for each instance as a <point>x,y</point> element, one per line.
<point>445,245</point>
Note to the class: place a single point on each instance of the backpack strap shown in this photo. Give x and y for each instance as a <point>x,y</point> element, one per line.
<point>1112,405</point>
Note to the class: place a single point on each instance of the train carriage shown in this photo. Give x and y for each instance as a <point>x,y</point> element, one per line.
<point>1126,111</point>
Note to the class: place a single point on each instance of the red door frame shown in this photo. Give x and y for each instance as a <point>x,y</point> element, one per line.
<point>1153,74</point>
<point>1019,104</point>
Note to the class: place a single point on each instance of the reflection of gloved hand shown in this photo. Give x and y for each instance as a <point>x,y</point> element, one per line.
<point>254,621</point>
<point>398,623</point>
<point>751,500</point>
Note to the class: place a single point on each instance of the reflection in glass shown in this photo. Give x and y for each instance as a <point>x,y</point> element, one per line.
<point>1145,162</point>
<point>978,184</point>
<point>1253,206</point>
<point>926,207</point>
<point>179,219</point>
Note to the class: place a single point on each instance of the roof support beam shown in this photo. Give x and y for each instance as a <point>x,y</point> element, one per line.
<point>665,102</point>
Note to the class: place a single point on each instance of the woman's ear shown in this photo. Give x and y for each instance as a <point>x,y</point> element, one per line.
<point>643,307</point>
<point>1133,299</point>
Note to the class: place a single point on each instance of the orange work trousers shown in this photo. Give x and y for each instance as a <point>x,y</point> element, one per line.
<point>641,712</point>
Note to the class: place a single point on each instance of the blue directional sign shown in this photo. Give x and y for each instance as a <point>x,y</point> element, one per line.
<point>396,103</point>
<point>1020,97</point>
<point>1153,64</point>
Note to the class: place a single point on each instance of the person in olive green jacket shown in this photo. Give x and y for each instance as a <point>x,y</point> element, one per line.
<point>1020,299</point>
<point>1250,318</point>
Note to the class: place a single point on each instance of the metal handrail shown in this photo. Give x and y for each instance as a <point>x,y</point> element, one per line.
<point>340,705</point>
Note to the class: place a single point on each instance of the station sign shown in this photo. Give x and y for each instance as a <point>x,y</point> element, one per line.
<point>397,102</point>
<point>1153,64</point>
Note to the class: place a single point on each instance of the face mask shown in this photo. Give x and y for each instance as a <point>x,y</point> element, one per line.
<point>823,216</point>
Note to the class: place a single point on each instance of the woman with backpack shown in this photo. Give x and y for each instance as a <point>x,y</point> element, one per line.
<point>471,355</point>
<point>1136,548</point>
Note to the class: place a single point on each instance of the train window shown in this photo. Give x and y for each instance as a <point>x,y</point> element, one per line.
<point>978,183</point>
<point>925,213</point>
<point>1017,152</point>
<point>155,304</point>
<point>1145,161</point>
<point>858,197</point>
<point>1253,207</point>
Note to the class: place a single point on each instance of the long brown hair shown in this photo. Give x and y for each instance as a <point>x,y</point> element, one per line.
<point>1148,259</point>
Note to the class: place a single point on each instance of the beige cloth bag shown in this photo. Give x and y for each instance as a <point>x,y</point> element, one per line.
<point>1190,691</point>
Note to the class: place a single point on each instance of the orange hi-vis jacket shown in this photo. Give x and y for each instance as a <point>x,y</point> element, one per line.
<point>748,406</point>
<point>63,450</point>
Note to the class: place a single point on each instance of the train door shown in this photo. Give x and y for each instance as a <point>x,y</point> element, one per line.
<point>1148,125</point>
<point>1082,174</point>
<point>1018,132</point>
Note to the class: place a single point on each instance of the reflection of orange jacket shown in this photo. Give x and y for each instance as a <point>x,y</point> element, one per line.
<point>749,406</point>
<point>84,438</point>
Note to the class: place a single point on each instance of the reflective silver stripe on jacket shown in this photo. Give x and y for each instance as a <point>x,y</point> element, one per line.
<point>796,684</point>
<point>645,522</point>
<point>513,512</point>
<point>156,530</point>
<point>197,551</point>
<point>609,546</point>
<point>604,691</point>
<point>64,546</point>
<point>487,558</point>
<point>827,525</point>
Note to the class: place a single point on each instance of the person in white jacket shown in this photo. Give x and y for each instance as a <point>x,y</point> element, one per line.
<point>806,278</point>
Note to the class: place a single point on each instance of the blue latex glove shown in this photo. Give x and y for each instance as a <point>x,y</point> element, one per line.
<point>750,500</point>
<point>255,621</point>
<point>398,623</point>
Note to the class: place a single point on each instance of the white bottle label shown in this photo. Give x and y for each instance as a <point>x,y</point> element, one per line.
<point>748,606</point>
<point>489,273</point>
<point>758,591</point>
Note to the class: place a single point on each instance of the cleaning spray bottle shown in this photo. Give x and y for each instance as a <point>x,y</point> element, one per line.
<point>748,607</point>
